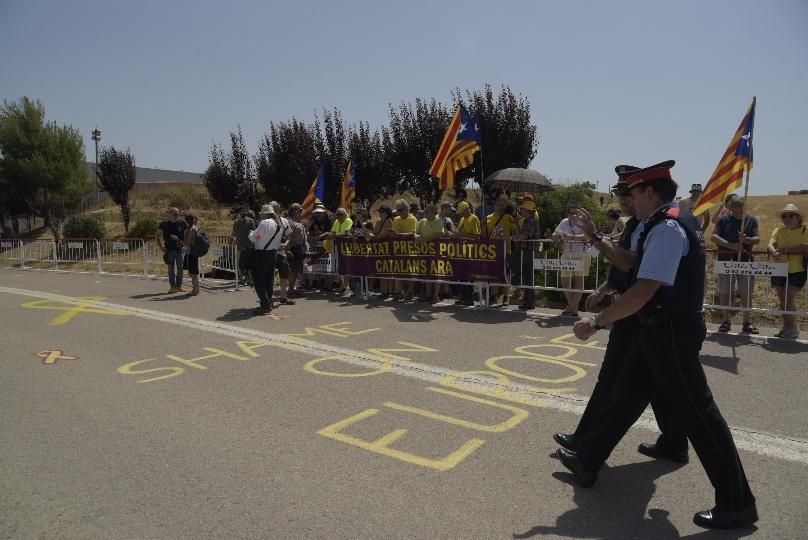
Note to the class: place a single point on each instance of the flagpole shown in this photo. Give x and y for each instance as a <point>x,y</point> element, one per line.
<point>484,222</point>
<point>746,187</point>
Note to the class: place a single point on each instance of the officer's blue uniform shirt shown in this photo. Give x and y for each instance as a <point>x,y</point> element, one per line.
<point>664,247</point>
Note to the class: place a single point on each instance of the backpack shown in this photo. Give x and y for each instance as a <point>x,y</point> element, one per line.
<point>201,243</point>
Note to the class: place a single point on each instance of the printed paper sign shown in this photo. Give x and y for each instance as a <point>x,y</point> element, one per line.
<point>319,262</point>
<point>762,268</point>
<point>75,245</point>
<point>216,251</point>
<point>120,245</point>
<point>6,244</point>
<point>568,265</point>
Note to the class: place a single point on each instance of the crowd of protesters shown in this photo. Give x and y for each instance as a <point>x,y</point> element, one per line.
<point>281,241</point>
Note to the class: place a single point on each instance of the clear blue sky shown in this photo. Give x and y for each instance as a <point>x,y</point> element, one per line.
<point>609,82</point>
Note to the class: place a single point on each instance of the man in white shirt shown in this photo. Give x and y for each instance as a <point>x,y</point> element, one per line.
<point>266,239</point>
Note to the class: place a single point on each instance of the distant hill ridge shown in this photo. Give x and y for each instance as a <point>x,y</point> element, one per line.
<point>144,175</point>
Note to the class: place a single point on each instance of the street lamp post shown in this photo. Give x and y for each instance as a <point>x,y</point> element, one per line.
<point>97,138</point>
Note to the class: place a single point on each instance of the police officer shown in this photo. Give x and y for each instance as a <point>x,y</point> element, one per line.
<point>672,443</point>
<point>667,294</point>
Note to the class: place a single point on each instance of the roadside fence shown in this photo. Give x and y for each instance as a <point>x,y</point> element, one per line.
<point>541,265</point>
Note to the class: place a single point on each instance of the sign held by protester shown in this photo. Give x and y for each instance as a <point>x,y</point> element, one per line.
<point>762,268</point>
<point>566,265</point>
<point>451,259</point>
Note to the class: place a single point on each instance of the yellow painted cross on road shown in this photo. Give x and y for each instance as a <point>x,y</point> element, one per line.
<point>50,357</point>
<point>72,307</point>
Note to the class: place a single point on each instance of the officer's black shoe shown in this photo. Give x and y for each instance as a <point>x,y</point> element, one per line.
<point>659,452</point>
<point>570,460</point>
<point>566,440</point>
<point>724,519</point>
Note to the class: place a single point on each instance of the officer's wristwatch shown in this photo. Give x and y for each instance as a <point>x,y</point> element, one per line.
<point>593,322</point>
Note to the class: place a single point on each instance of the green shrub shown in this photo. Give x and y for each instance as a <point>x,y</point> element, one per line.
<point>84,226</point>
<point>144,227</point>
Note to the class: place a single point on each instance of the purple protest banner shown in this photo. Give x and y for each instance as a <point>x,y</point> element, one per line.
<point>449,259</point>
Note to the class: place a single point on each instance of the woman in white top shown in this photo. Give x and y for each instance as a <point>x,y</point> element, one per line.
<point>574,248</point>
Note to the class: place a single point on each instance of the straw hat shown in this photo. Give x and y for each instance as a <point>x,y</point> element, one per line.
<point>319,209</point>
<point>791,209</point>
<point>528,205</point>
<point>267,210</point>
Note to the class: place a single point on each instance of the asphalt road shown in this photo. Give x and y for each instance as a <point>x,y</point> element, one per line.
<point>131,413</point>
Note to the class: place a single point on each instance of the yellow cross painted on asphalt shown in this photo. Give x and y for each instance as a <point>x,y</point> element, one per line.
<point>86,305</point>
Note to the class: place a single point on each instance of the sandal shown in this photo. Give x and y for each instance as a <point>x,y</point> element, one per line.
<point>725,326</point>
<point>749,328</point>
<point>287,301</point>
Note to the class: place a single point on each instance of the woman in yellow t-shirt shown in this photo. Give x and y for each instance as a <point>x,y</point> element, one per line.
<point>790,244</point>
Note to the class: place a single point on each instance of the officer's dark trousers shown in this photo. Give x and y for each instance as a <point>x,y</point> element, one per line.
<point>264,276</point>
<point>622,341</point>
<point>668,359</point>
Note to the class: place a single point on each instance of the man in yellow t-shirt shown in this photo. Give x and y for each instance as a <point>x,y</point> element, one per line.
<point>404,226</point>
<point>500,225</point>
<point>790,244</point>
<point>430,228</point>
<point>341,227</point>
<point>469,226</point>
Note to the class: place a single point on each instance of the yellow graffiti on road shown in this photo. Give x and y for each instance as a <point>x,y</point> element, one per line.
<point>87,304</point>
<point>50,357</point>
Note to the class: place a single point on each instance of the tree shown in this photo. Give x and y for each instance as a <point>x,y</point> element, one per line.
<point>287,160</point>
<point>21,127</point>
<point>509,138</point>
<point>331,142</point>
<point>243,172</point>
<point>217,178</point>
<point>42,163</point>
<point>116,173</point>
<point>230,178</point>
<point>415,135</point>
<point>552,206</point>
<point>369,154</point>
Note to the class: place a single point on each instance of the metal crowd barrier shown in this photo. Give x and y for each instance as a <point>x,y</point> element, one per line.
<point>763,297</point>
<point>124,256</point>
<point>11,252</point>
<point>549,260</point>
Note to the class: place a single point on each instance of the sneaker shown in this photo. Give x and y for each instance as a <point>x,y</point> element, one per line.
<point>790,333</point>
<point>180,288</point>
<point>172,290</point>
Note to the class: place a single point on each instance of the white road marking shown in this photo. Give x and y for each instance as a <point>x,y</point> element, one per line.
<point>761,443</point>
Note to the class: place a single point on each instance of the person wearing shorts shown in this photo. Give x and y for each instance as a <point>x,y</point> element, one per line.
<point>790,244</point>
<point>281,260</point>
<point>298,247</point>
<point>574,248</point>
<point>735,245</point>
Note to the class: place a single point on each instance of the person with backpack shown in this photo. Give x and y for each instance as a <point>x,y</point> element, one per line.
<point>789,244</point>
<point>169,237</point>
<point>191,254</point>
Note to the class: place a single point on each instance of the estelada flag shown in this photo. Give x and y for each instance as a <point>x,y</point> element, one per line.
<point>728,176</point>
<point>348,192</point>
<point>457,150</point>
<point>316,193</point>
